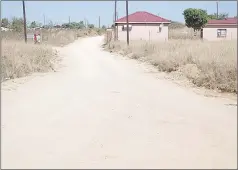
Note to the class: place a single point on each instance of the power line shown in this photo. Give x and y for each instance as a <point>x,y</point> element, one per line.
<point>44,19</point>
<point>99,24</point>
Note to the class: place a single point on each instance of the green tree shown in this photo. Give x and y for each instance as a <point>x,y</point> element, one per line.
<point>17,24</point>
<point>90,26</point>
<point>221,16</point>
<point>74,25</point>
<point>33,24</point>
<point>104,27</point>
<point>81,25</point>
<point>212,16</point>
<point>5,22</point>
<point>195,18</point>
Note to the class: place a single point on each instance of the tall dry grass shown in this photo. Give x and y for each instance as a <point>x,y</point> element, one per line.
<point>54,37</point>
<point>20,59</point>
<point>184,33</point>
<point>64,37</point>
<point>209,64</point>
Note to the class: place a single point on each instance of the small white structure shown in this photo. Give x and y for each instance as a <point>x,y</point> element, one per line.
<point>143,26</point>
<point>216,30</point>
<point>5,29</point>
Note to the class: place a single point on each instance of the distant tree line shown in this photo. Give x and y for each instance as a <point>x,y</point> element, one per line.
<point>17,24</point>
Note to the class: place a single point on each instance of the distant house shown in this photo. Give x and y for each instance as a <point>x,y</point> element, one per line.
<point>220,30</point>
<point>143,26</point>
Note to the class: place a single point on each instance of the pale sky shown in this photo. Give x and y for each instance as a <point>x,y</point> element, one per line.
<point>59,11</point>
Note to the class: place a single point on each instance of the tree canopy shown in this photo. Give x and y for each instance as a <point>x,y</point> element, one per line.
<point>74,25</point>
<point>90,26</point>
<point>195,18</point>
<point>34,24</point>
<point>220,16</point>
<point>5,22</point>
<point>17,24</point>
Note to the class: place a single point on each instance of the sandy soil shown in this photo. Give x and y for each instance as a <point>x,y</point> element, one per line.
<point>100,110</point>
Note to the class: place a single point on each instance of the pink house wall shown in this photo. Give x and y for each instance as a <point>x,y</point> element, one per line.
<point>144,32</point>
<point>210,32</point>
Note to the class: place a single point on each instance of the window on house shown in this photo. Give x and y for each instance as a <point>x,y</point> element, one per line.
<point>221,33</point>
<point>125,26</point>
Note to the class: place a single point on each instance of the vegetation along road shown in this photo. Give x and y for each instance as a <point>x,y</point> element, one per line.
<point>100,110</point>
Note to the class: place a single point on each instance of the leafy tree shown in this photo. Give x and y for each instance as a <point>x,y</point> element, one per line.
<point>212,16</point>
<point>195,18</point>
<point>50,24</point>
<point>90,26</point>
<point>220,16</point>
<point>5,22</point>
<point>74,25</point>
<point>223,16</point>
<point>65,25</point>
<point>33,24</point>
<point>104,27</point>
<point>17,24</point>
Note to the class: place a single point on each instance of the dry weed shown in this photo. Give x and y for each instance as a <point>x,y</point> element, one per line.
<point>183,33</point>
<point>20,59</point>
<point>54,37</point>
<point>209,64</point>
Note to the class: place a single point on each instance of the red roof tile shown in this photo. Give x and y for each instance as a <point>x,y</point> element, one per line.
<point>224,21</point>
<point>142,17</point>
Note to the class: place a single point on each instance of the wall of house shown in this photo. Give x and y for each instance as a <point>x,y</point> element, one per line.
<point>144,32</point>
<point>210,33</point>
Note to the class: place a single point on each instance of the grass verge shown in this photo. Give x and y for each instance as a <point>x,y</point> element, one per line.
<point>206,64</point>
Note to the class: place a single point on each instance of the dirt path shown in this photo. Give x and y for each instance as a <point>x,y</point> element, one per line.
<point>102,111</point>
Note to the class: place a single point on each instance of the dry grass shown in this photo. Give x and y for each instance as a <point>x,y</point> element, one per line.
<point>183,33</point>
<point>54,37</point>
<point>64,37</point>
<point>20,59</point>
<point>209,64</point>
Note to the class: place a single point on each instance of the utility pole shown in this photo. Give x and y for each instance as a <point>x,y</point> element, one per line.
<point>115,18</point>
<point>44,19</point>
<point>69,19</point>
<point>24,17</point>
<point>85,22</point>
<point>127,25</point>
<point>217,8</point>
<point>99,24</point>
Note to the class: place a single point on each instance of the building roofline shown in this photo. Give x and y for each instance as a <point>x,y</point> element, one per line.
<point>221,24</point>
<point>142,13</point>
<point>143,22</point>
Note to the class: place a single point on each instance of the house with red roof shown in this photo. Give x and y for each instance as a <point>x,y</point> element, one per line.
<point>225,29</point>
<point>143,26</point>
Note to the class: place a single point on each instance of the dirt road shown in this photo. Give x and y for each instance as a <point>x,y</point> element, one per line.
<point>102,111</point>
